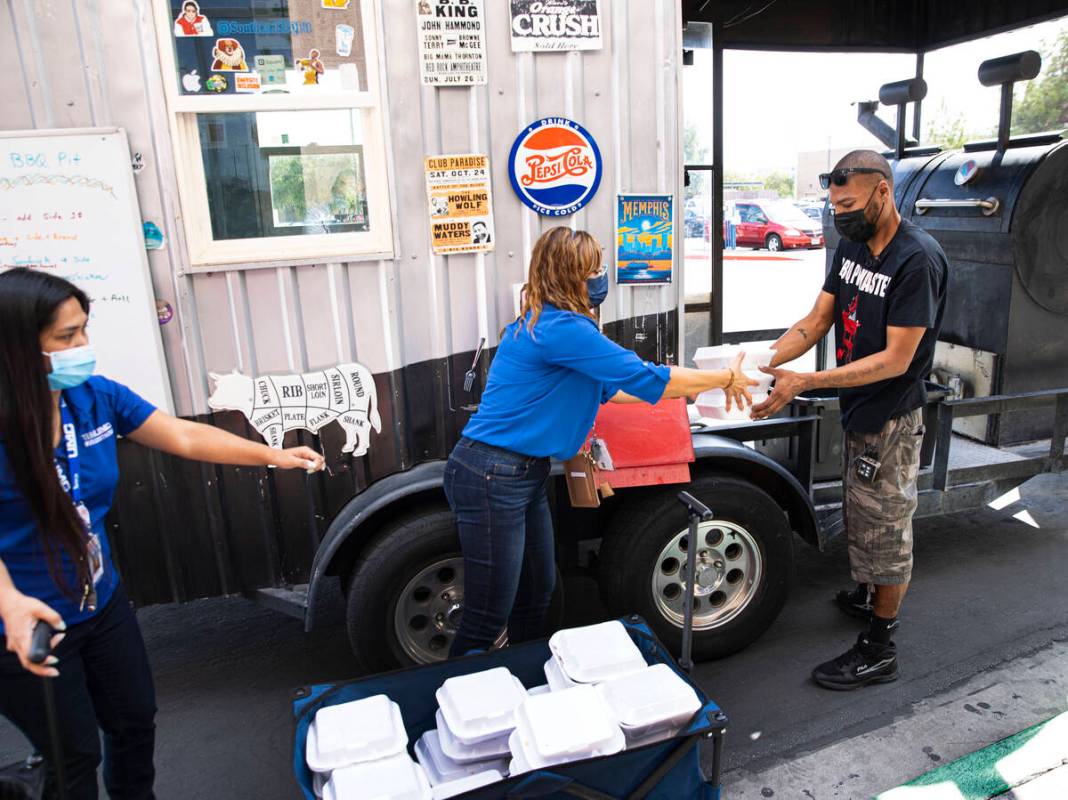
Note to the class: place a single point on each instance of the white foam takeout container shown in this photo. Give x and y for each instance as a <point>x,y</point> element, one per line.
<point>557,678</point>
<point>651,702</point>
<point>441,769</point>
<point>568,725</point>
<point>476,781</point>
<point>721,356</point>
<point>393,778</point>
<point>480,706</point>
<point>713,405</point>
<point>351,733</point>
<point>467,753</point>
<point>596,652</point>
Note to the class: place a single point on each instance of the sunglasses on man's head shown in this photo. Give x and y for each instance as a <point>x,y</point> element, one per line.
<point>839,177</point>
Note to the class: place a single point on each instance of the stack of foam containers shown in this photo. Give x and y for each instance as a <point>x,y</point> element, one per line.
<point>713,404</point>
<point>469,747</point>
<point>358,750</point>
<point>591,654</point>
<point>650,705</point>
<point>560,726</point>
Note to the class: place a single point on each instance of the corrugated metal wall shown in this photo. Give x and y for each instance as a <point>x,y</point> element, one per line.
<point>80,63</point>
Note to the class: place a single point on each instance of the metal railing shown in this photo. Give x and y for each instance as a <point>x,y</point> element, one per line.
<point>981,406</point>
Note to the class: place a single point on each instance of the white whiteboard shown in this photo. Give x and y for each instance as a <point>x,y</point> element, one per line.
<point>68,206</point>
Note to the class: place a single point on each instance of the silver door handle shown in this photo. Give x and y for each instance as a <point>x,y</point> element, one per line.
<point>988,206</point>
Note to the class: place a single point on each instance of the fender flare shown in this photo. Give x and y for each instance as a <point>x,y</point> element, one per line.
<point>428,476</point>
<point>769,474</point>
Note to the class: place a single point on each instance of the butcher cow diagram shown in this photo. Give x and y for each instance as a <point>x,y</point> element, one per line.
<point>275,404</point>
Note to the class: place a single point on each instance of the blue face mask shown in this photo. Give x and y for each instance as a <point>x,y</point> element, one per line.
<point>71,367</point>
<point>597,289</point>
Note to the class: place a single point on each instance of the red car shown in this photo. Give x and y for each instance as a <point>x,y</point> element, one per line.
<point>774,224</point>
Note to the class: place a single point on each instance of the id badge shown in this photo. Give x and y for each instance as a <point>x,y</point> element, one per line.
<point>96,558</point>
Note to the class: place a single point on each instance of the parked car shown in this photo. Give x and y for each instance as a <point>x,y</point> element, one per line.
<point>693,224</point>
<point>812,210</point>
<point>775,224</point>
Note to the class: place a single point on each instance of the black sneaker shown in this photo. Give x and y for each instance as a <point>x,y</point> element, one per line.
<point>866,662</point>
<point>857,603</point>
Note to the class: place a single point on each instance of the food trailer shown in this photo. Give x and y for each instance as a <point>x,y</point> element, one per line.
<point>338,199</point>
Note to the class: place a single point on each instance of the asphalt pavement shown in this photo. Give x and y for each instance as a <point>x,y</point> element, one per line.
<point>988,590</point>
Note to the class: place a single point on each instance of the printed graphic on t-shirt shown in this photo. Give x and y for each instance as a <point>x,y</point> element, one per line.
<point>867,281</point>
<point>850,325</point>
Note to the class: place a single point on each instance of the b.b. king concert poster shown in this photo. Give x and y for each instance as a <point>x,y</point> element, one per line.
<point>644,238</point>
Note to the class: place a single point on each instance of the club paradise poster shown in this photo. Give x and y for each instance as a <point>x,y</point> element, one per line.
<point>644,231</point>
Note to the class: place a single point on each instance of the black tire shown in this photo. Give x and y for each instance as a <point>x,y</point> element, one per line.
<point>631,555</point>
<point>773,242</point>
<point>399,552</point>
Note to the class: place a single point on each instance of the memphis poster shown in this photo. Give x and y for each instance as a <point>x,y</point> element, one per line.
<point>644,232</point>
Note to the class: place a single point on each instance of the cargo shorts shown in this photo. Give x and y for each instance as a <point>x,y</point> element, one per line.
<point>878,515</point>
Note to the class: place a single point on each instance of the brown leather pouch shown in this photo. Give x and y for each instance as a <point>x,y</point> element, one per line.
<point>582,480</point>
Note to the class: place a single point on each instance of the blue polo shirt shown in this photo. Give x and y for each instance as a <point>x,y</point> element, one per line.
<point>102,409</point>
<point>544,388</point>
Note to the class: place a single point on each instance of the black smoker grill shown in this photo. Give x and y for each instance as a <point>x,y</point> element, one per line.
<point>1000,211</point>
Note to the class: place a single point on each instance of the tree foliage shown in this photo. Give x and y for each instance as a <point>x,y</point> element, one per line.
<point>1043,103</point>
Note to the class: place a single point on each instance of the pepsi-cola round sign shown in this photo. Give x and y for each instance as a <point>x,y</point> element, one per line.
<point>555,167</point>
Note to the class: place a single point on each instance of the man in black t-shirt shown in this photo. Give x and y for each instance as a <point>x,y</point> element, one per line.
<point>885,295</point>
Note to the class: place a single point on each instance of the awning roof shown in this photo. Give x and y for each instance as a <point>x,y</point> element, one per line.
<point>869,25</point>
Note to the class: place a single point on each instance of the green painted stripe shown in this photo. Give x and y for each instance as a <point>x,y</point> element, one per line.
<point>976,775</point>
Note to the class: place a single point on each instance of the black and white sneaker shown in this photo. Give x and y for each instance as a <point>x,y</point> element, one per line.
<point>864,663</point>
<point>858,602</point>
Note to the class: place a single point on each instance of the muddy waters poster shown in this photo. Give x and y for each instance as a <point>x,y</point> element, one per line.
<point>461,210</point>
<point>452,45</point>
<point>644,238</point>
<point>555,25</point>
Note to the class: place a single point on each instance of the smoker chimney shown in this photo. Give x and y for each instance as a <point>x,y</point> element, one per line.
<point>1006,71</point>
<point>900,94</point>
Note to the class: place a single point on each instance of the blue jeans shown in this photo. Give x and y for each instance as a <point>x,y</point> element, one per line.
<point>104,684</point>
<point>506,534</point>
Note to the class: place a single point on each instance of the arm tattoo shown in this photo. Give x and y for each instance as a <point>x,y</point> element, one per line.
<point>803,332</point>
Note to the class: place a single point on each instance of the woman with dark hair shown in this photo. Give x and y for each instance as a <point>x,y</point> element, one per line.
<point>58,473</point>
<point>552,370</point>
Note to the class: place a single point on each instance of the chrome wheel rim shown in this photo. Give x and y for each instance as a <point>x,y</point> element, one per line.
<point>428,612</point>
<point>729,570</point>
<point>774,245</point>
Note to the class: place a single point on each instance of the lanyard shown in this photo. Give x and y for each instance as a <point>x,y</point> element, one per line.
<point>71,479</point>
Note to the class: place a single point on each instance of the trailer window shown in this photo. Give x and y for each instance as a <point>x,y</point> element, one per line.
<point>278,128</point>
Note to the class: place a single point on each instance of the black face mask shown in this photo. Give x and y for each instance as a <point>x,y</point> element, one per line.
<point>855,225</point>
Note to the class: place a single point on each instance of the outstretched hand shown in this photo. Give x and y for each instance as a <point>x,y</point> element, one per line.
<point>300,458</point>
<point>788,385</point>
<point>740,383</point>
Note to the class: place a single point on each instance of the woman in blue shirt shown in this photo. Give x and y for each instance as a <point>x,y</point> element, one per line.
<point>58,473</point>
<point>552,370</point>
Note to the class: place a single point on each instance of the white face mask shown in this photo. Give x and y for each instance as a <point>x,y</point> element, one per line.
<point>71,367</point>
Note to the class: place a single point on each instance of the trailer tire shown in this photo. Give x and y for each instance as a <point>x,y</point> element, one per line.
<point>408,569</point>
<point>744,575</point>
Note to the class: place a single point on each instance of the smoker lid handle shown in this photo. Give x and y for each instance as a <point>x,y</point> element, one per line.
<point>989,206</point>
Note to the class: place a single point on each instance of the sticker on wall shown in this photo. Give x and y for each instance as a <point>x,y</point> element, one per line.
<point>271,69</point>
<point>540,25</point>
<point>275,404</point>
<point>154,239</point>
<point>555,167</point>
<point>229,56</point>
<point>247,82</point>
<point>191,81</point>
<point>191,22</point>
<point>452,46</point>
<point>344,35</point>
<point>644,238</point>
<point>312,66</point>
<point>338,4</point>
<point>164,311</point>
<point>461,209</point>
<point>137,163</point>
<point>216,83</point>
